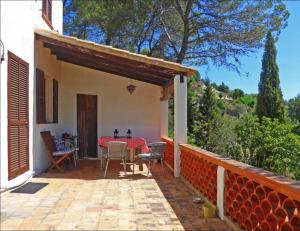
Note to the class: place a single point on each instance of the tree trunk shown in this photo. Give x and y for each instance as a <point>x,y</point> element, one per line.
<point>185,18</point>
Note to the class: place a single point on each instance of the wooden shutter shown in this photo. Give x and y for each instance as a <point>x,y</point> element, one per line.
<point>18,134</point>
<point>47,9</point>
<point>55,101</point>
<point>47,12</point>
<point>40,97</point>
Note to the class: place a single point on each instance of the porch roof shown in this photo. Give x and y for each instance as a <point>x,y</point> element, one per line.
<point>112,60</point>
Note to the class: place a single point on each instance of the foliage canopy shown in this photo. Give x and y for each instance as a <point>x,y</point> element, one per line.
<point>294,108</point>
<point>189,31</point>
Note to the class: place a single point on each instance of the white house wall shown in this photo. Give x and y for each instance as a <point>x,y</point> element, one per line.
<point>51,68</point>
<point>18,21</point>
<point>117,109</point>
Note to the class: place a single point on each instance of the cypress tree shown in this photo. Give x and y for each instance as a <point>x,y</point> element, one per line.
<point>269,100</point>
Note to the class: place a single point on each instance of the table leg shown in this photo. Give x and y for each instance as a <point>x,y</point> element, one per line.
<point>131,153</point>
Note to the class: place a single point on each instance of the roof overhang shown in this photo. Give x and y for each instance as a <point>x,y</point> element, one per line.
<point>112,60</point>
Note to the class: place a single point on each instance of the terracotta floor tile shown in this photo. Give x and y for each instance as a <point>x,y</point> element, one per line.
<point>80,199</point>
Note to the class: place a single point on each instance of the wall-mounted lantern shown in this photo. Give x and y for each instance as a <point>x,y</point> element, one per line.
<point>131,88</point>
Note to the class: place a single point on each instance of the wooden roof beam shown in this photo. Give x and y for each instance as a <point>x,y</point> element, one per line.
<point>54,43</point>
<point>61,50</point>
<point>108,70</point>
<point>120,69</point>
<point>175,68</point>
<point>167,92</point>
<point>114,67</point>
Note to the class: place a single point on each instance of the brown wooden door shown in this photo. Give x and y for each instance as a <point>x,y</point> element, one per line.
<point>18,143</point>
<point>87,125</point>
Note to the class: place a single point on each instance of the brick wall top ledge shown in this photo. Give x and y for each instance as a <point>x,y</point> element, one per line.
<point>167,139</point>
<point>284,185</point>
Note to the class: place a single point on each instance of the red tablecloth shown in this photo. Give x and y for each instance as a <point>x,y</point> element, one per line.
<point>134,142</point>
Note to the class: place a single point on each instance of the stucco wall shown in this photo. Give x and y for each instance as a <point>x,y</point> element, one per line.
<point>52,69</point>
<point>18,21</point>
<point>116,107</point>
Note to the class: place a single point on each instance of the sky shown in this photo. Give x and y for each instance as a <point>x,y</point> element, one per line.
<point>288,61</point>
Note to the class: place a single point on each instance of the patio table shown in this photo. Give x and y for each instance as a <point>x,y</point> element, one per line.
<point>132,143</point>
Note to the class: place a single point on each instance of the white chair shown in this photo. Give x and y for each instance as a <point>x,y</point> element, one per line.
<point>157,150</point>
<point>102,154</point>
<point>116,150</point>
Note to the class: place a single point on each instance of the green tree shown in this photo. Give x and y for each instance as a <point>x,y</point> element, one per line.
<point>223,88</point>
<point>219,138</point>
<point>207,116</point>
<point>248,100</point>
<point>190,31</point>
<point>280,148</point>
<point>236,93</point>
<point>269,100</point>
<point>171,118</point>
<point>192,102</point>
<point>214,85</point>
<point>245,148</point>
<point>294,108</point>
<point>207,81</point>
<point>237,109</point>
<point>268,144</point>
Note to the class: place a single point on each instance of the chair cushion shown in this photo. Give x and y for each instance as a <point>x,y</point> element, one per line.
<point>154,155</point>
<point>60,146</point>
<point>66,150</point>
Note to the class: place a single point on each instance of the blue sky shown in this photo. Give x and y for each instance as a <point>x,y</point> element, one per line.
<point>288,60</point>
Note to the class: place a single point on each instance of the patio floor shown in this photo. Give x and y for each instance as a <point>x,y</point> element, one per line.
<point>81,199</point>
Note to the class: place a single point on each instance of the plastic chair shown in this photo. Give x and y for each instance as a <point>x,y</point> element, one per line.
<point>102,153</point>
<point>116,150</point>
<point>157,150</point>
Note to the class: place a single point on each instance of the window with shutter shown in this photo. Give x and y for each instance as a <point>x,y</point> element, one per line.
<point>40,97</point>
<point>55,101</point>
<point>18,143</point>
<point>47,12</point>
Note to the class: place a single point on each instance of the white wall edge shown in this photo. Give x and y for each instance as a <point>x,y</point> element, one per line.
<point>180,118</point>
<point>164,120</point>
<point>220,191</point>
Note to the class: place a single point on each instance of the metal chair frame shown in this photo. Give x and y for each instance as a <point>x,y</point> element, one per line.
<point>157,150</point>
<point>116,150</point>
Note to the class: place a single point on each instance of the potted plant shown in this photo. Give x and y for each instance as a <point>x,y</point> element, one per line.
<point>209,210</point>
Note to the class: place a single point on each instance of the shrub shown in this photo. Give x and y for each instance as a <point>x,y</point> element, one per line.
<point>269,144</point>
<point>248,100</point>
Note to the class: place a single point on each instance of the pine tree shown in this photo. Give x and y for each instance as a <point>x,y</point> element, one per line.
<point>192,102</point>
<point>269,100</point>
<point>206,120</point>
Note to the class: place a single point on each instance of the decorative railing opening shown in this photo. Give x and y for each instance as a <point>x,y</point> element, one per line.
<point>169,152</point>
<point>252,198</point>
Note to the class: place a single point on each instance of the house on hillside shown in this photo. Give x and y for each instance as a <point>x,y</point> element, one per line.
<point>58,83</point>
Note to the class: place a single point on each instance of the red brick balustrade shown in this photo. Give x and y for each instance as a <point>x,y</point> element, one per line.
<point>199,172</point>
<point>169,152</point>
<point>255,206</point>
<point>253,198</point>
